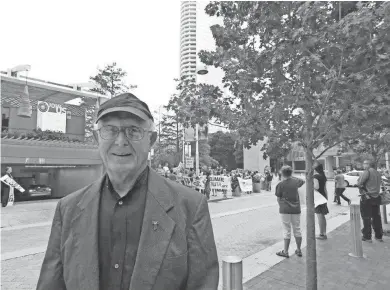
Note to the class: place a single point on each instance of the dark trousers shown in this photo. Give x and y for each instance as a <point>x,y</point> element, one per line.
<point>370,211</point>
<point>4,195</point>
<point>339,193</point>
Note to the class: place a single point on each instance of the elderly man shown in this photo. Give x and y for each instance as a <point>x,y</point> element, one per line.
<point>131,229</point>
<point>370,186</point>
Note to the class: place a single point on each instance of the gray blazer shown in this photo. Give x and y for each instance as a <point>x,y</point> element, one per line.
<point>178,253</point>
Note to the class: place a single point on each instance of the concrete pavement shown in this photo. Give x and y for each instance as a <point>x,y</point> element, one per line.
<point>336,269</point>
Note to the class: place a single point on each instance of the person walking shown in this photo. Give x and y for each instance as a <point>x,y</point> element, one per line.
<point>370,184</point>
<point>289,209</point>
<point>340,188</point>
<point>131,229</point>
<point>269,178</point>
<point>321,210</point>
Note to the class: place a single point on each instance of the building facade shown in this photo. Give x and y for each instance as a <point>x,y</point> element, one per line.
<point>50,147</point>
<point>188,53</point>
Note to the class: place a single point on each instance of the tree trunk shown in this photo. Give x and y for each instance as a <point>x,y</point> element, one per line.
<point>311,251</point>
<point>177,135</point>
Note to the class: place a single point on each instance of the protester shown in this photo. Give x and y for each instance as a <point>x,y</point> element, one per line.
<point>131,229</point>
<point>369,184</point>
<point>5,189</point>
<point>207,187</point>
<point>289,209</point>
<point>166,167</point>
<point>322,209</point>
<point>269,178</point>
<point>340,188</point>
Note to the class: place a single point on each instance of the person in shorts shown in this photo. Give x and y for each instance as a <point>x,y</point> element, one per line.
<point>289,209</point>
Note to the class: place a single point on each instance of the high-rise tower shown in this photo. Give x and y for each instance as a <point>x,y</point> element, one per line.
<point>188,39</point>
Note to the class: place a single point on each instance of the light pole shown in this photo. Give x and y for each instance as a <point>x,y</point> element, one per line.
<point>200,71</point>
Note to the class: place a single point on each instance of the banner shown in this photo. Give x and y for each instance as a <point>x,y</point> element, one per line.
<point>219,183</point>
<point>12,185</point>
<point>245,184</point>
<point>51,117</point>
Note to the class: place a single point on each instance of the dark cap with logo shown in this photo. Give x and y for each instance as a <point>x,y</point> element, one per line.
<point>125,102</point>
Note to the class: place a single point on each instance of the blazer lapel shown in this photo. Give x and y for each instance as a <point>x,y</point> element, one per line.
<point>85,235</point>
<point>157,229</point>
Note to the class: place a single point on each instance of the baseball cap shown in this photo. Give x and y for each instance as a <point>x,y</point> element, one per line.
<point>125,102</point>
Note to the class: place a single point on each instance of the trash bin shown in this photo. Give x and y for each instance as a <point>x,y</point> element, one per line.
<point>256,187</point>
<point>263,184</point>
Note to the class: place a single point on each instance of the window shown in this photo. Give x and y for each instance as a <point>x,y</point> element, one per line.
<point>4,118</point>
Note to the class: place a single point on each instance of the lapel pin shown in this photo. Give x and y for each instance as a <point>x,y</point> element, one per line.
<point>155,224</point>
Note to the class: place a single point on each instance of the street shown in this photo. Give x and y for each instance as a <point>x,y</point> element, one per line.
<point>242,226</point>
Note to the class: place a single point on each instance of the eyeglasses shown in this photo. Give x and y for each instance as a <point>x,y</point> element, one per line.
<point>133,133</point>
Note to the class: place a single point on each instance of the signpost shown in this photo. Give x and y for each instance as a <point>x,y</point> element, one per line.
<point>189,162</point>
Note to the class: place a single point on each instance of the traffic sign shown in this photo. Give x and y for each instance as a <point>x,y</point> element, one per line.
<point>189,162</point>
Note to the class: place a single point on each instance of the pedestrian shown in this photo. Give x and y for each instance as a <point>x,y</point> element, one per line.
<point>269,178</point>
<point>340,188</point>
<point>321,210</point>
<point>370,184</point>
<point>5,189</point>
<point>131,229</point>
<point>207,188</point>
<point>290,210</point>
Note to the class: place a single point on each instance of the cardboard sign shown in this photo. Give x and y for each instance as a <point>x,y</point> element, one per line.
<point>219,183</point>
<point>245,184</point>
<point>11,183</point>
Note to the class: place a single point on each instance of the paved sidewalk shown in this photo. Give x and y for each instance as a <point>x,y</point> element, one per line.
<point>335,268</point>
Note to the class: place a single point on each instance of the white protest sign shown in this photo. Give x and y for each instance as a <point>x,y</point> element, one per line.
<point>219,183</point>
<point>11,183</point>
<point>245,184</point>
<point>319,199</point>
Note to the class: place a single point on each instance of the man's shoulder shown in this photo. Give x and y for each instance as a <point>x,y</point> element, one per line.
<point>74,198</point>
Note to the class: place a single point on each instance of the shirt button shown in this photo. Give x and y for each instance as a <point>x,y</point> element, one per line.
<point>120,202</point>
<point>116,266</point>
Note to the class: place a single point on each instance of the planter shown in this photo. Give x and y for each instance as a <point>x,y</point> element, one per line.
<point>256,187</point>
<point>237,191</point>
<point>263,185</point>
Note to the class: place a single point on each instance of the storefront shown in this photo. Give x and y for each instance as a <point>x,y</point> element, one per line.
<point>50,147</point>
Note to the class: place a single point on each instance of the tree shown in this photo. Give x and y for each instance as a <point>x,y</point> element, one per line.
<point>373,145</point>
<point>170,131</point>
<point>222,148</point>
<point>109,81</point>
<point>317,73</point>
<point>239,153</point>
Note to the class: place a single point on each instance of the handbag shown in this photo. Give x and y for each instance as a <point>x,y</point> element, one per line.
<point>385,197</point>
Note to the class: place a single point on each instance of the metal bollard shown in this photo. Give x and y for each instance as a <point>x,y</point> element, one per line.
<point>356,232</point>
<point>232,273</point>
<point>384,213</point>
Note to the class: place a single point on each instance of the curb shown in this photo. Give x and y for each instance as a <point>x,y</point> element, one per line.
<point>219,199</point>
<point>262,261</point>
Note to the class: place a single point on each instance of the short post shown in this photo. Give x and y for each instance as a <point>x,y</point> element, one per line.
<point>232,273</point>
<point>384,213</point>
<point>357,246</point>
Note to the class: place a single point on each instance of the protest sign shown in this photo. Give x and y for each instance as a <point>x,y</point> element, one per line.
<point>319,199</point>
<point>12,185</point>
<point>245,184</point>
<point>219,183</point>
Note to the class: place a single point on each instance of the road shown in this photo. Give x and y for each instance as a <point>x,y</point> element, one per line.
<point>242,226</point>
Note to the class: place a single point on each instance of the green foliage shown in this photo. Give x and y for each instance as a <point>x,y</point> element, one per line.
<point>194,103</point>
<point>222,148</point>
<point>302,70</point>
<point>110,80</point>
<point>373,145</point>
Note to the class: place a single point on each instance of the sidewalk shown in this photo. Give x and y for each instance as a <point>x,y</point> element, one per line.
<point>335,268</point>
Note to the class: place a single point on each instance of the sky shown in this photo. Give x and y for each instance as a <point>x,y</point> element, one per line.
<point>67,41</point>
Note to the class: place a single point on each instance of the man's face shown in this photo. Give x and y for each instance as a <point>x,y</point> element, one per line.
<point>121,155</point>
<point>366,165</point>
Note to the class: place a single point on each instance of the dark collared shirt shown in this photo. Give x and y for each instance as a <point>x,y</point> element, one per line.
<point>120,223</point>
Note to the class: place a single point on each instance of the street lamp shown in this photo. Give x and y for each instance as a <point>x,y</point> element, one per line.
<point>201,70</point>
